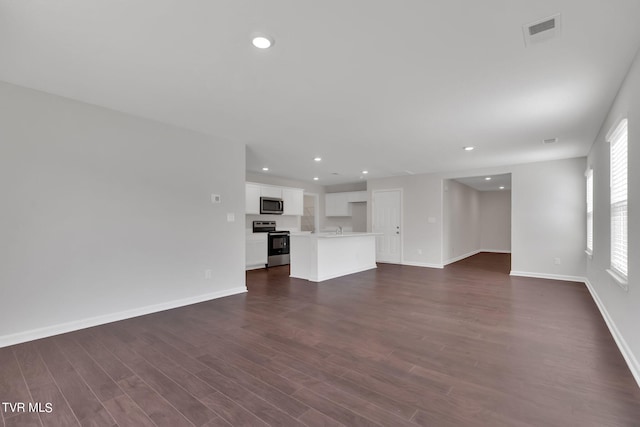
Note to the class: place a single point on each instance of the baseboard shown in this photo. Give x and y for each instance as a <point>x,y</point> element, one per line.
<point>62,328</point>
<point>628,355</point>
<point>495,251</point>
<point>548,276</point>
<point>422,264</point>
<point>461,257</point>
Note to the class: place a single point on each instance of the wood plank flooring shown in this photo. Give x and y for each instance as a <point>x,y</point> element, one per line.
<point>398,346</point>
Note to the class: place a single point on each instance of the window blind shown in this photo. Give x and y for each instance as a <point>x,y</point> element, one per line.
<point>590,210</point>
<point>618,184</point>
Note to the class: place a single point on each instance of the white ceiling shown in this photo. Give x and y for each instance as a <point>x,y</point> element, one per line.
<point>379,85</point>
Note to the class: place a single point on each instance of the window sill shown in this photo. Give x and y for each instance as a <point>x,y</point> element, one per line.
<point>620,280</point>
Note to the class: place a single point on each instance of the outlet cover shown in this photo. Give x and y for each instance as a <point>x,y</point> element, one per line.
<point>231,217</point>
<point>556,261</point>
<point>208,274</point>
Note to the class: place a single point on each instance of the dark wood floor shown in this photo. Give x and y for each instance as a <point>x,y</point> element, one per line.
<point>396,346</point>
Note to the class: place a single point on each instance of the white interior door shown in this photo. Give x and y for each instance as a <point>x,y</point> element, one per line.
<point>387,218</point>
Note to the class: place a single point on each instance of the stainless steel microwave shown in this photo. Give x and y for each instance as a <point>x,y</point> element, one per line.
<point>271,205</point>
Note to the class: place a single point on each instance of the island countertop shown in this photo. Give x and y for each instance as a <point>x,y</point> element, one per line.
<point>333,235</point>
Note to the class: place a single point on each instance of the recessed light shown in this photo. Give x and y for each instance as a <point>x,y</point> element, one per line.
<point>468,148</point>
<point>317,159</point>
<point>488,178</point>
<point>315,178</point>
<point>262,42</point>
<point>502,188</point>
<point>265,169</point>
<point>550,141</point>
<point>365,172</point>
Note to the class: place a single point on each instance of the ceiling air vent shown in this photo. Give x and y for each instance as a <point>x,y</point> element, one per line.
<point>542,30</point>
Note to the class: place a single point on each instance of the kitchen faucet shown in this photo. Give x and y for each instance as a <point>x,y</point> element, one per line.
<point>339,230</point>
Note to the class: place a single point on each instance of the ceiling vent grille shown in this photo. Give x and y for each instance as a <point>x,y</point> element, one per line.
<point>543,26</point>
<point>542,30</point>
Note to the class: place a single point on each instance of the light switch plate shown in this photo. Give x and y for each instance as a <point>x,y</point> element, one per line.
<point>231,217</point>
<point>215,198</point>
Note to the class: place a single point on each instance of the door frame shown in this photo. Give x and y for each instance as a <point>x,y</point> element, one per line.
<point>316,210</point>
<point>373,210</point>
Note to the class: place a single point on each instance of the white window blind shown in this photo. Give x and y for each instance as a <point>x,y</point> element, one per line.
<point>590,210</point>
<point>618,184</point>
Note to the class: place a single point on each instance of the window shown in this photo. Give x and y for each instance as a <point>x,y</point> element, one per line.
<point>618,160</point>
<point>590,211</point>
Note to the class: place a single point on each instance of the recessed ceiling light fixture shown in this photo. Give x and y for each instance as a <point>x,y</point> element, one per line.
<point>315,178</point>
<point>262,42</point>
<point>488,178</point>
<point>317,159</point>
<point>469,148</point>
<point>502,188</point>
<point>265,169</point>
<point>365,172</point>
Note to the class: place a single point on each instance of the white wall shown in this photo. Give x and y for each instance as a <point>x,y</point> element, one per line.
<point>547,216</point>
<point>621,308</point>
<point>104,215</point>
<point>548,219</point>
<point>359,217</point>
<point>461,237</point>
<point>422,199</point>
<point>495,221</point>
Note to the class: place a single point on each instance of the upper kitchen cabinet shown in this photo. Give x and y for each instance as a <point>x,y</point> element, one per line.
<point>357,196</point>
<point>293,199</point>
<point>339,204</point>
<point>268,191</point>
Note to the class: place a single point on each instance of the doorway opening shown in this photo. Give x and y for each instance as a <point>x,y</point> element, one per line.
<point>477,216</point>
<point>310,220</point>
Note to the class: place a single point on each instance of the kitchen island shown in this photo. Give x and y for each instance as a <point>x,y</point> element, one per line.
<point>324,256</point>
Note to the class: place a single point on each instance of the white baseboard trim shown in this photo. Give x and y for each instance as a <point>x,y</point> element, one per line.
<point>628,355</point>
<point>461,257</point>
<point>495,251</point>
<point>548,276</point>
<point>422,264</point>
<point>75,325</point>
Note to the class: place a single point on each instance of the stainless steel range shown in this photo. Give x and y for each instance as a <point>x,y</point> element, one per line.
<point>278,242</point>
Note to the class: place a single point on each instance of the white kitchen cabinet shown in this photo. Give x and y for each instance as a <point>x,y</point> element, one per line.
<point>256,251</point>
<point>269,191</point>
<point>293,199</point>
<point>252,198</point>
<point>339,204</point>
<point>357,196</point>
